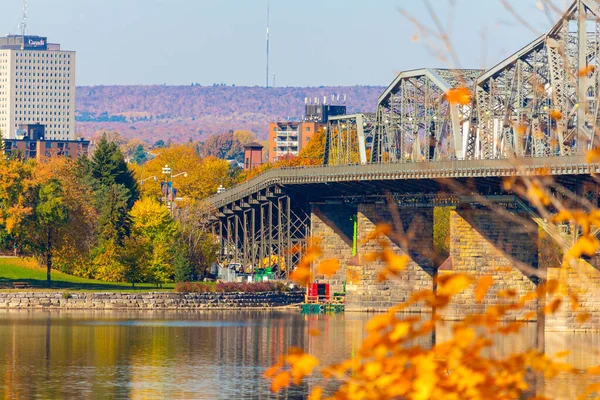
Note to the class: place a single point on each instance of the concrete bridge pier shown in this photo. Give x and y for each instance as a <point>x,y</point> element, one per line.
<point>502,243</point>
<point>343,230</point>
<point>481,242</point>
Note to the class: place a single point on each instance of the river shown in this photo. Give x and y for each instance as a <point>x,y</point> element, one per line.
<point>198,355</point>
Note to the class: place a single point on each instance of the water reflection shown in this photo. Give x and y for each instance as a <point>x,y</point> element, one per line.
<point>203,355</point>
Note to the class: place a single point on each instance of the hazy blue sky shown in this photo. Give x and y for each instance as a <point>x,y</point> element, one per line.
<point>313,42</point>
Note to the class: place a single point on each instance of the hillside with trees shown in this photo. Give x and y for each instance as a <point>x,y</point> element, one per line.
<point>184,113</point>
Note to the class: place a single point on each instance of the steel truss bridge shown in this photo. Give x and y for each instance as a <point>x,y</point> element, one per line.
<point>533,114</point>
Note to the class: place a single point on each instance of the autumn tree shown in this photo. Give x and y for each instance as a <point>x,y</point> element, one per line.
<point>15,181</point>
<point>135,259</point>
<point>312,153</point>
<point>197,248</point>
<point>152,223</point>
<point>226,145</point>
<point>135,151</point>
<point>244,137</point>
<point>76,239</point>
<point>203,175</point>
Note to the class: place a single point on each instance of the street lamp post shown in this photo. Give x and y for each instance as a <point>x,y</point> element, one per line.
<point>141,182</point>
<point>168,173</point>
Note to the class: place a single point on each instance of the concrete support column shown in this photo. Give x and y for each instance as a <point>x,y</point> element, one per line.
<point>415,226</point>
<point>485,242</point>
<point>334,225</point>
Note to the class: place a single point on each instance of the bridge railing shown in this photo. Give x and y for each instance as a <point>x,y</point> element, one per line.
<point>555,165</point>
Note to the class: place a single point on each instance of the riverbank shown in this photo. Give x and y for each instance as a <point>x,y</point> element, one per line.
<point>27,271</point>
<point>147,300</point>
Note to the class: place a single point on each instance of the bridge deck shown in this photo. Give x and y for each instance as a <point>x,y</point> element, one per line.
<point>560,165</point>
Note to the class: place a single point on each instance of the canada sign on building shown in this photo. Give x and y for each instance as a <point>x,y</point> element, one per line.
<point>34,43</point>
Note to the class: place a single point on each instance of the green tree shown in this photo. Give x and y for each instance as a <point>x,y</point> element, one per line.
<point>139,155</point>
<point>114,222</point>
<point>116,191</point>
<point>39,231</point>
<point>184,272</point>
<point>108,167</point>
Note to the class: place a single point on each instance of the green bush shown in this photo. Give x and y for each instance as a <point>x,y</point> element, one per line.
<point>229,287</point>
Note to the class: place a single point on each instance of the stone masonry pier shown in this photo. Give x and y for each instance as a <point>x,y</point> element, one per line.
<point>503,243</point>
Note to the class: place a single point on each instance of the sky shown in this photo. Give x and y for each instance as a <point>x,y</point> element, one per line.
<point>312,42</point>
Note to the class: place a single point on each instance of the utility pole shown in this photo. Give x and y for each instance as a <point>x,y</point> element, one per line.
<point>24,18</point>
<point>267,77</point>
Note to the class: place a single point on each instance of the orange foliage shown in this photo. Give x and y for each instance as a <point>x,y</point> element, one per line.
<point>555,115</point>
<point>461,96</point>
<point>389,366</point>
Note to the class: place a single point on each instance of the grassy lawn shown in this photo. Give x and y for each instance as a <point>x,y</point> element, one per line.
<point>14,269</point>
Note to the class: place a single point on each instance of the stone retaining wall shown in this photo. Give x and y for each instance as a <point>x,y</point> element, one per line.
<point>152,300</point>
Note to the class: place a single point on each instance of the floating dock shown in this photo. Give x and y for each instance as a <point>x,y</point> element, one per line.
<point>318,300</point>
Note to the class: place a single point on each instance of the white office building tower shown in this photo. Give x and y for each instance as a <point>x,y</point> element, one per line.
<point>37,87</point>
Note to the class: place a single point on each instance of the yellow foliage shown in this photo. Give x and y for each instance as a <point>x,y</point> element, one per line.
<point>386,367</point>
<point>553,306</point>
<point>450,285</point>
<point>204,175</point>
<point>585,245</point>
<point>352,276</point>
<point>303,273</point>
<point>537,194</point>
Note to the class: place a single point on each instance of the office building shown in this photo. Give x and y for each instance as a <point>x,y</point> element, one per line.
<point>37,87</point>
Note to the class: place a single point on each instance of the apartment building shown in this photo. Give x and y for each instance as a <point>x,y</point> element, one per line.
<point>34,145</point>
<point>37,87</point>
<point>287,138</point>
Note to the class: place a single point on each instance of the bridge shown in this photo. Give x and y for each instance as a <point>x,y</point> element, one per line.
<point>439,137</point>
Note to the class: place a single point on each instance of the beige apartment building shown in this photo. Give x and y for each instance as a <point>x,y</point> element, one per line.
<point>37,87</point>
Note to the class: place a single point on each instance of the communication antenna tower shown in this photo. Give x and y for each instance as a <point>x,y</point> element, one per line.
<point>267,76</point>
<point>24,18</point>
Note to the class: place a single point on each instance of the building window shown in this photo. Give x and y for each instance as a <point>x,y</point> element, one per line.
<point>308,129</point>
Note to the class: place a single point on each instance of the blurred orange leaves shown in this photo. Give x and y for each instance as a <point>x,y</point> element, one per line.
<point>460,95</point>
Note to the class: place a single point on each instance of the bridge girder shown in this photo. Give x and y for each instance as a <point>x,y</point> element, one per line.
<point>415,122</point>
<point>542,100</point>
<point>347,139</point>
